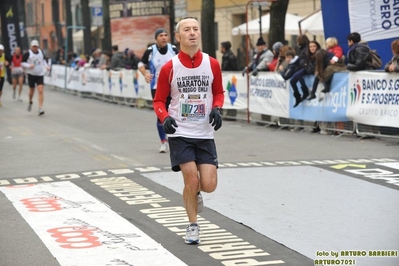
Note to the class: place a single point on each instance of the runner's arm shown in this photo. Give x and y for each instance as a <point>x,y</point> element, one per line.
<point>144,61</point>
<point>25,58</point>
<point>217,85</point>
<point>163,91</point>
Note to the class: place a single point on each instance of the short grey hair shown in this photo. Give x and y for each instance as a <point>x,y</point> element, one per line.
<point>178,23</point>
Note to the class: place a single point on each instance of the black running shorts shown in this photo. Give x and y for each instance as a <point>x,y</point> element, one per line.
<point>183,150</point>
<point>32,80</point>
<point>1,83</point>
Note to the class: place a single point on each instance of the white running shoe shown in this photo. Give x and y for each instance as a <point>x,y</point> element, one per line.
<point>200,202</point>
<point>30,107</point>
<point>13,94</point>
<point>164,147</point>
<point>41,111</point>
<point>192,234</point>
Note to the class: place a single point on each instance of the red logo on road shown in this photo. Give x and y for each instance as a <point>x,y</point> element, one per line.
<point>41,204</point>
<point>75,237</point>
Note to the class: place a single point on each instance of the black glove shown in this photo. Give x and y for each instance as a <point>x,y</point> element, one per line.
<point>168,124</point>
<point>216,117</point>
<point>255,72</point>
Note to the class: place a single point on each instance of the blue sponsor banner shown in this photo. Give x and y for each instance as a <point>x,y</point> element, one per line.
<point>332,107</point>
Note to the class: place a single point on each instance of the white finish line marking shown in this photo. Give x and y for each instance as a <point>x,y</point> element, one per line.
<point>80,230</point>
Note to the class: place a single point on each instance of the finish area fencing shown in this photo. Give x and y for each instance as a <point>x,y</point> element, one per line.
<point>365,103</point>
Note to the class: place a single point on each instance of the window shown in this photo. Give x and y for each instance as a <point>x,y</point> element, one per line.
<point>30,12</point>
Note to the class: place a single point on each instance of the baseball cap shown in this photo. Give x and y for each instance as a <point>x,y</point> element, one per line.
<point>34,43</point>
<point>1,47</point>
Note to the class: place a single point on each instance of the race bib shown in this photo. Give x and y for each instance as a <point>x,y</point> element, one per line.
<point>192,109</point>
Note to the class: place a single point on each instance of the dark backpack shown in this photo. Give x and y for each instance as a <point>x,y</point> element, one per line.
<point>376,61</point>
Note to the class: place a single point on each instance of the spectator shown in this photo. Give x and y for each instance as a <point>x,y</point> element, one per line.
<point>262,57</point>
<point>393,64</point>
<point>60,56</point>
<point>105,60</point>
<point>322,60</point>
<point>117,59</point>
<point>292,64</point>
<point>307,67</point>
<point>229,60</point>
<point>276,52</point>
<point>131,61</point>
<point>282,63</point>
<point>302,45</point>
<point>326,69</point>
<point>359,57</point>
<point>95,58</point>
<point>84,61</point>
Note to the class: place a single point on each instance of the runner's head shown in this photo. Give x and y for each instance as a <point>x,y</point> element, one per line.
<point>17,50</point>
<point>1,49</point>
<point>34,45</point>
<point>161,37</point>
<point>188,33</point>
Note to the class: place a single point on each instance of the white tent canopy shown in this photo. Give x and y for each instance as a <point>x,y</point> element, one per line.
<point>313,24</point>
<point>291,25</point>
<point>78,35</point>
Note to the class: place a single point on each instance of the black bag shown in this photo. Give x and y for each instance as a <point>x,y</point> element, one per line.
<point>310,68</point>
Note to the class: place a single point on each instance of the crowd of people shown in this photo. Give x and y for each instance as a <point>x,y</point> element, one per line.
<point>113,59</point>
<point>309,58</point>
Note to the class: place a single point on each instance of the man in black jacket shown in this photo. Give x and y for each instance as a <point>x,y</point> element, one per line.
<point>229,60</point>
<point>358,56</point>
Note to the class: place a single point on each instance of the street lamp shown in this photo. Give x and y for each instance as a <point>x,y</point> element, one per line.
<point>66,50</point>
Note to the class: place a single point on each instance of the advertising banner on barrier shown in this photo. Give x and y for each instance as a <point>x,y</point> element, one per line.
<point>75,79</point>
<point>95,80</point>
<point>57,76</point>
<point>116,84</point>
<point>128,84</point>
<point>268,94</point>
<point>144,90</point>
<point>374,20</point>
<point>235,90</point>
<point>331,108</point>
<point>374,98</point>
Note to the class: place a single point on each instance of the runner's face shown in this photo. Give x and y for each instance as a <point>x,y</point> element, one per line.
<point>34,48</point>
<point>189,33</point>
<point>162,40</point>
<point>17,51</point>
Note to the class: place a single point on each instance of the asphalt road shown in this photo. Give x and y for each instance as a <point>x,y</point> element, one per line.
<point>81,140</point>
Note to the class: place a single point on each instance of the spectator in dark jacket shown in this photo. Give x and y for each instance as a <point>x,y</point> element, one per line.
<point>358,55</point>
<point>293,64</point>
<point>131,60</point>
<point>60,56</point>
<point>229,60</point>
<point>117,59</point>
<point>393,64</point>
<point>302,45</point>
<point>307,67</point>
